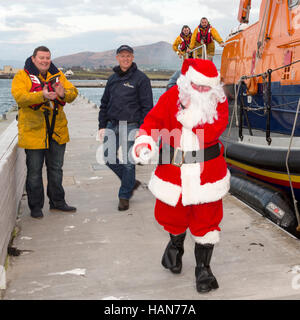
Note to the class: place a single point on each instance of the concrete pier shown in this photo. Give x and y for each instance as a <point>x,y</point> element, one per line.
<point>100,253</point>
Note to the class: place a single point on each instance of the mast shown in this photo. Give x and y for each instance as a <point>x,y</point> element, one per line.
<point>244,11</point>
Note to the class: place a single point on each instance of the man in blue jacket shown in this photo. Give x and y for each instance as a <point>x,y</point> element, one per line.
<point>126,101</point>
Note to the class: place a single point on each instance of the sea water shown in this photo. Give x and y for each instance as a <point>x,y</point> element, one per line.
<point>93,94</point>
<point>6,99</point>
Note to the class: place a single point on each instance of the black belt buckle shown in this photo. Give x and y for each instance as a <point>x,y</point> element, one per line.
<point>178,158</point>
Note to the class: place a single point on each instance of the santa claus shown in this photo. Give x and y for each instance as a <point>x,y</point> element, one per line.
<point>191,177</point>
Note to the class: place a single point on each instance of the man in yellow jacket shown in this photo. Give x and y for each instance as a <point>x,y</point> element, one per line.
<point>205,34</point>
<point>182,42</point>
<point>41,91</point>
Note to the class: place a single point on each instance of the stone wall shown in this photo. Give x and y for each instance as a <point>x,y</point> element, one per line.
<point>12,180</point>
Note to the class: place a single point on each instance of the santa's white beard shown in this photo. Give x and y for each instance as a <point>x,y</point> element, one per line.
<point>201,107</point>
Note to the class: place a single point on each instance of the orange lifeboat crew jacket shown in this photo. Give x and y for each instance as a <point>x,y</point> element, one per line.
<point>27,91</point>
<point>181,43</point>
<point>212,34</point>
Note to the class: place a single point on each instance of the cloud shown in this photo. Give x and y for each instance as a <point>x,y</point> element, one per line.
<point>72,26</point>
<point>20,21</point>
<point>9,36</point>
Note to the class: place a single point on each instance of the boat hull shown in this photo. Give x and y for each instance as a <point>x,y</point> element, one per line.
<point>268,200</point>
<point>265,164</point>
<point>265,167</point>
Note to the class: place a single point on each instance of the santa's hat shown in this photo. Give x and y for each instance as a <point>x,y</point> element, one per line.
<point>201,72</point>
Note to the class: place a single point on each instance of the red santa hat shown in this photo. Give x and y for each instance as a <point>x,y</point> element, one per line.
<point>201,72</point>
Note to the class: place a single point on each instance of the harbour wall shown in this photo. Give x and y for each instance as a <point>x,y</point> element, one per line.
<point>12,180</point>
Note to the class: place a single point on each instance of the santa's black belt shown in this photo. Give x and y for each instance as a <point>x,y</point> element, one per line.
<point>170,155</point>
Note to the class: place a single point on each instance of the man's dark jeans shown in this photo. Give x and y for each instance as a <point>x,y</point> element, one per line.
<point>54,158</point>
<point>121,134</point>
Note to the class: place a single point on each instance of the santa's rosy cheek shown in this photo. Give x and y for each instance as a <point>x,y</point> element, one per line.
<point>200,88</point>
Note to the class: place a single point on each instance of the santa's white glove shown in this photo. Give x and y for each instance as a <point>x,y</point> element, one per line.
<point>144,150</point>
<point>142,153</point>
<point>145,155</point>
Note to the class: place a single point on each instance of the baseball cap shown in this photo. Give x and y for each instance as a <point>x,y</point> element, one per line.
<point>124,47</point>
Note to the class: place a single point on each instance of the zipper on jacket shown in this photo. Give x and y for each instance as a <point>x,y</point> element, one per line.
<point>46,138</point>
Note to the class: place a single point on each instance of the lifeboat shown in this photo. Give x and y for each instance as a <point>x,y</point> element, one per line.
<point>260,69</point>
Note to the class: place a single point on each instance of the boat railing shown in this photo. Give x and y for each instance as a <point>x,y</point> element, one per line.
<point>241,91</point>
<point>244,77</point>
<point>204,53</point>
<point>231,41</point>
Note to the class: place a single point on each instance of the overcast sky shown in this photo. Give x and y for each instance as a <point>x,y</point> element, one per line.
<point>71,26</point>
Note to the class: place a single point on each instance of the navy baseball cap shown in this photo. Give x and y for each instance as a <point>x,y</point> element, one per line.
<point>124,47</point>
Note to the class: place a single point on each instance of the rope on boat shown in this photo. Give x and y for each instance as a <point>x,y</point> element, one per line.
<point>288,170</point>
<point>234,113</point>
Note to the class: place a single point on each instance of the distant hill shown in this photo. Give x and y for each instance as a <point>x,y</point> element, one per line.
<point>158,55</point>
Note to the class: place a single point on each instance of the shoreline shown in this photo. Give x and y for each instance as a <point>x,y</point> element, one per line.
<point>99,83</point>
<point>102,83</point>
<point>7,77</point>
<point>87,78</point>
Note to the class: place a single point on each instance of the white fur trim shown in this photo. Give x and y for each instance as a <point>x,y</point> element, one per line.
<point>190,183</point>
<point>190,173</point>
<point>211,237</point>
<point>144,139</point>
<point>189,140</point>
<point>170,193</point>
<point>200,79</point>
<point>164,191</point>
<point>209,192</point>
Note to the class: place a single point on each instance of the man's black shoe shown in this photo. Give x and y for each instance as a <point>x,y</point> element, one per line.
<point>123,204</point>
<point>36,213</point>
<point>136,185</point>
<point>64,208</point>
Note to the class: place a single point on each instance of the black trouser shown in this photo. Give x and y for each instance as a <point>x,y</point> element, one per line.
<point>54,158</point>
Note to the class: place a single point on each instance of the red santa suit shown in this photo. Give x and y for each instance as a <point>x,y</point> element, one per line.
<point>190,195</point>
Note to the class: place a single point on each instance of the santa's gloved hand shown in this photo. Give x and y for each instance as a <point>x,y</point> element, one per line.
<point>143,152</point>
<point>138,148</point>
<point>145,155</point>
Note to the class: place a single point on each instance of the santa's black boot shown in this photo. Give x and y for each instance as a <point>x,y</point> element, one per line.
<point>172,258</point>
<point>205,280</point>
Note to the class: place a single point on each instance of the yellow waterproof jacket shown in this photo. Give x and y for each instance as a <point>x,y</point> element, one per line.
<point>177,43</point>
<point>210,48</point>
<point>31,123</point>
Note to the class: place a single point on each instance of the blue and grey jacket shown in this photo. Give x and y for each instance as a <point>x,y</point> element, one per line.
<point>127,96</point>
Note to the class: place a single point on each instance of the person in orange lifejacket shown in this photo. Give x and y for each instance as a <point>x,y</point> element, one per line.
<point>182,42</point>
<point>205,34</point>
